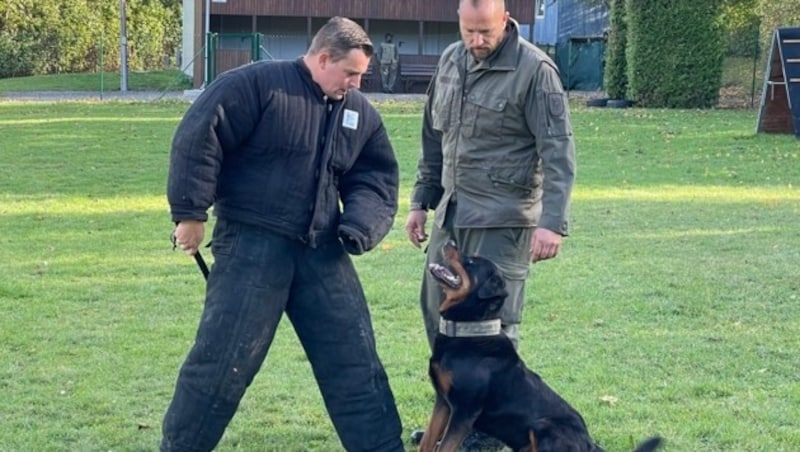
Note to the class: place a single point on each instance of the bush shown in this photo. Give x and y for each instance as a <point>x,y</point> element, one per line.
<point>615,77</point>
<point>16,57</point>
<point>675,53</point>
<point>54,36</point>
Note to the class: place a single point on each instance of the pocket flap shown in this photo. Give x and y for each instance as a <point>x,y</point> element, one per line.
<point>488,100</point>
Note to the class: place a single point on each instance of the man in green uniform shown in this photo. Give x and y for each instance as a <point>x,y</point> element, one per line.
<point>387,58</point>
<point>498,157</point>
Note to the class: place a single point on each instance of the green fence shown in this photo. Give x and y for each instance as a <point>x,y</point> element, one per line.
<point>581,62</point>
<point>228,50</point>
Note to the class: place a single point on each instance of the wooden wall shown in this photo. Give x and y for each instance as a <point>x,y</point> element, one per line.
<point>420,11</point>
<point>424,10</point>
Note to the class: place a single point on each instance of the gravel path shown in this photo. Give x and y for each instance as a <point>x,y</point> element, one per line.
<point>190,95</point>
<point>137,96</point>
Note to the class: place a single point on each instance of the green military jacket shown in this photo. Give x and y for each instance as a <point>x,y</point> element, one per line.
<point>497,136</point>
<point>388,53</point>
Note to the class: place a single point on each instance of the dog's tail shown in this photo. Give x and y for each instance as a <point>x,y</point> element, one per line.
<point>650,444</point>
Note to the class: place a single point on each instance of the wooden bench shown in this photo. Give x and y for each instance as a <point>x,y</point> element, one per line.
<point>370,81</point>
<point>413,73</point>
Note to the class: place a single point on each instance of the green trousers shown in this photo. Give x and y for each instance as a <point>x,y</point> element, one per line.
<point>508,248</point>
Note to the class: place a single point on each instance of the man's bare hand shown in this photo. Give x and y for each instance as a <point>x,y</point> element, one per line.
<point>545,244</point>
<point>415,227</point>
<point>188,235</point>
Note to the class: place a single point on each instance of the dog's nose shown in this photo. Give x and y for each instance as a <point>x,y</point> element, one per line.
<point>450,250</point>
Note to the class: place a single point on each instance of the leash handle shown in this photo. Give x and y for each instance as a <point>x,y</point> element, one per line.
<point>201,263</point>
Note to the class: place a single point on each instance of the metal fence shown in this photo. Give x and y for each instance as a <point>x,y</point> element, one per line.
<point>743,67</point>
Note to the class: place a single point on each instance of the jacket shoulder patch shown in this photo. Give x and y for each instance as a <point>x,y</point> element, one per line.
<point>555,104</point>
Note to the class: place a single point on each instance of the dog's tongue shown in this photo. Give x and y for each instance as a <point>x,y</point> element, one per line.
<point>444,275</point>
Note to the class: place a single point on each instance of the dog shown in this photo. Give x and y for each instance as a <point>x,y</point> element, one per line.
<point>480,380</point>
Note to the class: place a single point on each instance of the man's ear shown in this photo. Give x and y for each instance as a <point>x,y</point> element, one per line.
<point>323,58</point>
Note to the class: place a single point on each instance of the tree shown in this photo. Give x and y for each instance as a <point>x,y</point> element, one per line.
<point>615,77</point>
<point>52,36</point>
<point>775,14</point>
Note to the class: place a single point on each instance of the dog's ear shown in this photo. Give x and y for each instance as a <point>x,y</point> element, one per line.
<point>494,287</point>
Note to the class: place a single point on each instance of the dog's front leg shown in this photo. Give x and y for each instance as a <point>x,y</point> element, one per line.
<point>436,426</point>
<point>460,426</point>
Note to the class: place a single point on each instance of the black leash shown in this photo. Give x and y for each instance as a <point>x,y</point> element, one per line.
<point>197,256</point>
<point>201,263</point>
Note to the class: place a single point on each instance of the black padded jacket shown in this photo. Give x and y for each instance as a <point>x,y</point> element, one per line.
<point>265,146</point>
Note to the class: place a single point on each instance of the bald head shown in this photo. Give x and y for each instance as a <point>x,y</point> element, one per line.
<point>476,3</point>
<point>482,24</point>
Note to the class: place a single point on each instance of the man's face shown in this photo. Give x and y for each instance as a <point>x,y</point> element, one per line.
<point>336,77</point>
<point>482,27</point>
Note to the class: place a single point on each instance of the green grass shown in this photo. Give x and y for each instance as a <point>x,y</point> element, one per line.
<point>673,308</point>
<point>172,79</point>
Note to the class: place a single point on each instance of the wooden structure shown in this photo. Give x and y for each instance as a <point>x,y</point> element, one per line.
<point>780,99</point>
<point>421,28</point>
<point>411,74</point>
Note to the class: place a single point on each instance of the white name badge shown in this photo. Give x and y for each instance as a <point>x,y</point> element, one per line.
<point>350,119</point>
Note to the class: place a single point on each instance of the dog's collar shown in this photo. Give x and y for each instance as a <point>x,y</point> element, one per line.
<point>469,329</point>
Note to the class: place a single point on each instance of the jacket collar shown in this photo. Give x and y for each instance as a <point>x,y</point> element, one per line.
<point>305,72</point>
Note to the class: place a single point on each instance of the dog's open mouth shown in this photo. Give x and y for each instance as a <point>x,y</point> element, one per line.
<point>444,275</point>
<point>453,277</point>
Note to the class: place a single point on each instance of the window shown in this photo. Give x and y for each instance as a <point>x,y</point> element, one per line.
<point>540,8</point>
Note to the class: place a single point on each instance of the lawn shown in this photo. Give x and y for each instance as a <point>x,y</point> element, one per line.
<point>165,80</point>
<point>673,308</point>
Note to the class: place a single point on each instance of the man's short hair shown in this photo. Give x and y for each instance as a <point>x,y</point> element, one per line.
<point>338,37</point>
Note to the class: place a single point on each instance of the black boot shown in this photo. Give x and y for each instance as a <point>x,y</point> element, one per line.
<point>475,442</point>
<point>416,437</point>
<point>481,442</point>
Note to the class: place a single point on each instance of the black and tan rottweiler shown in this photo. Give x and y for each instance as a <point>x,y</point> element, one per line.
<point>479,378</point>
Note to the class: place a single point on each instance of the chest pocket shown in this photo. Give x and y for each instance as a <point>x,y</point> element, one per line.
<point>483,114</point>
<point>444,107</point>
<point>345,146</point>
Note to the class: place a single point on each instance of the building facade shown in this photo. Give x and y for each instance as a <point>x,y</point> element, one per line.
<point>222,34</point>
